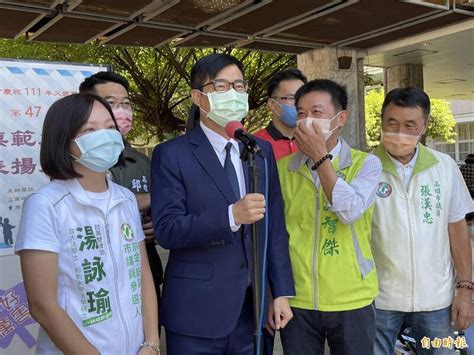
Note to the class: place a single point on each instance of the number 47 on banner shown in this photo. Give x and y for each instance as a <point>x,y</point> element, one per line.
<point>33,111</point>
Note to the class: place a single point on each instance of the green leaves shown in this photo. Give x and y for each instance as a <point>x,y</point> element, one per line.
<point>442,121</point>
<point>373,109</point>
<point>159,78</point>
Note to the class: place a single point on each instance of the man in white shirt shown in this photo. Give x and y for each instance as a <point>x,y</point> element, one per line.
<point>419,234</point>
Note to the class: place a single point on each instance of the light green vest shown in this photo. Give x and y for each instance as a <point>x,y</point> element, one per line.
<point>332,262</point>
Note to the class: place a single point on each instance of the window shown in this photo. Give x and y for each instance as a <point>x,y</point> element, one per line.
<point>465,149</point>
<point>449,149</point>
<point>464,143</point>
<point>465,131</point>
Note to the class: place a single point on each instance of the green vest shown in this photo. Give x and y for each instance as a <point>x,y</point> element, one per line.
<point>332,262</point>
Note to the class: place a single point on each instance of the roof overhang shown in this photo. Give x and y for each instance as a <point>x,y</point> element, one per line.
<point>271,25</point>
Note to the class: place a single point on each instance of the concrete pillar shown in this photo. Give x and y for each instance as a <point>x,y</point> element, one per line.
<point>323,64</point>
<point>400,76</point>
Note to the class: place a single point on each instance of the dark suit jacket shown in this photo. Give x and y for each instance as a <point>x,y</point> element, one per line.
<point>209,265</point>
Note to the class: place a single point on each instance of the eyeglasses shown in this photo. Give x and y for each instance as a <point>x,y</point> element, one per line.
<point>288,98</point>
<point>126,105</point>
<point>222,85</point>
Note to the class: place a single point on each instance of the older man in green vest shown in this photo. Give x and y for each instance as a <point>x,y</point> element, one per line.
<point>419,234</point>
<point>328,190</point>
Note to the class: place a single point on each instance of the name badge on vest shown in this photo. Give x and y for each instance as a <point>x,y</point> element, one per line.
<point>384,189</point>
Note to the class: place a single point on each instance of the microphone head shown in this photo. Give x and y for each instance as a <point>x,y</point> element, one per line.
<point>232,127</point>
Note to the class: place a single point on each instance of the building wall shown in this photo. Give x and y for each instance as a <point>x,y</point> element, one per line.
<point>463,111</point>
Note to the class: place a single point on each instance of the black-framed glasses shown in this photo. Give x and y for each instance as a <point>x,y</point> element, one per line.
<point>126,105</point>
<point>287,98</point>
<point>223,85</point>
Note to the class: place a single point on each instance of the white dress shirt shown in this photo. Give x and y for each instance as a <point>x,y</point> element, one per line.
<point>218,142</point>
<point>404,170</point>
<point>459,200</point>
<point>351,200</point>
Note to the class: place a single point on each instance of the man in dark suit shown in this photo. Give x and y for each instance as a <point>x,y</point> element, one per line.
<point>202,212</point>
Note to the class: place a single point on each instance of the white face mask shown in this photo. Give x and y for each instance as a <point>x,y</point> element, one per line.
<point>227,106</point>
<point>100,150</point>
<point>323,123</point>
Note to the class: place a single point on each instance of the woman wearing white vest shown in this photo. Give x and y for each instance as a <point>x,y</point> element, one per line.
<point>420,241</point>
<point>81,244</point>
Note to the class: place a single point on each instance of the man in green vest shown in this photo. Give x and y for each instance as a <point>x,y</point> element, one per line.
<point>420,240</point>
<point>328,190</point>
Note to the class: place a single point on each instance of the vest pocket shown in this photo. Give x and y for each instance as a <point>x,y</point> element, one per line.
<point>365,265</point>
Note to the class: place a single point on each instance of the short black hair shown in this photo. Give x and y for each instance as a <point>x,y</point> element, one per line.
<point>287,74</point>
<point>205,70</point>
<point>408,97</point>
<point>103,77</point>
<point>470,217</point>
<point>337,92</point>
<point>63,121</point>
<point>469,159</point>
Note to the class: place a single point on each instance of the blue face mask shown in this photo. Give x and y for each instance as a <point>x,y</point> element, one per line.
<point>100,150</point>
<point>288,114</point>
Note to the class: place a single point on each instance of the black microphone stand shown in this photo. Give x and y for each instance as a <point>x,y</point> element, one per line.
<point>248,154</point>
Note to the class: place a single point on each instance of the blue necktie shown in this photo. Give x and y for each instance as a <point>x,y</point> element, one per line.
<point>230,171</point>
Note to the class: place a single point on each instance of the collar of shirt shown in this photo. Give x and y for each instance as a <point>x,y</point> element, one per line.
<point>405,170</point>
<point>275,133</point>
<point>218,142</point>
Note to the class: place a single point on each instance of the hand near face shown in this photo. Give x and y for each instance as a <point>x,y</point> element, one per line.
<point>311,140</point>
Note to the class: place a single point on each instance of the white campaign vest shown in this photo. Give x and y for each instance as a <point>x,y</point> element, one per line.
<point>410,240</point>
<point>99,287</point>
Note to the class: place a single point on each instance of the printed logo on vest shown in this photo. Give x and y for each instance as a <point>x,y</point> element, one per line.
<point>127,232</point>
<point>384,189</point>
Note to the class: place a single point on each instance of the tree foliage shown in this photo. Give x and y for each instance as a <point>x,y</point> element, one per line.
<point>159,78</point>
<point>441,124</point>
<point>373,108</point>
<point>442,121</point>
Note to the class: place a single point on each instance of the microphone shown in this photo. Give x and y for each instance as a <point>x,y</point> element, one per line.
<point>236,130</point>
